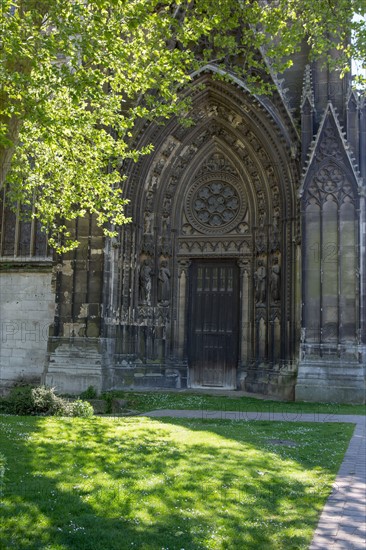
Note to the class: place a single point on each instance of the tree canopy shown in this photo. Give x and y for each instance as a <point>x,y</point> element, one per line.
<point>76,76</point>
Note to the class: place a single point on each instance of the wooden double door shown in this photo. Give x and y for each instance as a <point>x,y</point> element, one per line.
<point>213,324</point>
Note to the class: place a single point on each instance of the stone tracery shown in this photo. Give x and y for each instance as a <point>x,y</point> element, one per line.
<point>215,202</point>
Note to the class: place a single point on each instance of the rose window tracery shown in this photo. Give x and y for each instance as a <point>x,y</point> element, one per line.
<point>215,203</point>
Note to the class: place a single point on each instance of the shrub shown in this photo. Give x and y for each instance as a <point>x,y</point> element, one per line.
<point>81,408</point>
<point>40,400</point>
<point>89,393</point>
<point>5,406</point>
<point>20,400</point>
<point>108,397</point>
<point>46,402</point>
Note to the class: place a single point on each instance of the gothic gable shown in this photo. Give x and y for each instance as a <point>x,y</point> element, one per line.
<point>328,151</point>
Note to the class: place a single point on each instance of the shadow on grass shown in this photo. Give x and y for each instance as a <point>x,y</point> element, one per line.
<point>37,513</point>
<point>152,400</point>
<point>265,482</point>
<point>135,483</point>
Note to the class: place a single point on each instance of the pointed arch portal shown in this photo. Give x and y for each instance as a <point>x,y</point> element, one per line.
<point>216,197</point>
<point>236,271</point>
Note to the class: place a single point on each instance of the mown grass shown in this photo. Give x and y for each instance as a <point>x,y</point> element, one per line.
<point>148,484</point>
<point>152,400</point>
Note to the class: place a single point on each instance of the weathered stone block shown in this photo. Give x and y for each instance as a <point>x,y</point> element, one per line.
<point>27,309</point>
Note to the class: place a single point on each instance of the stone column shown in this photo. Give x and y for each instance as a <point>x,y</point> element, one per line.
<point>183,267</point>
<point>245,327</point>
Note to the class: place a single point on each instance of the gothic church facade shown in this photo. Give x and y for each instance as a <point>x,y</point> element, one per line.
<point>244,266</point>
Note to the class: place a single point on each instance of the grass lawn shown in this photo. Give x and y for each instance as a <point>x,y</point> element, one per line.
<point>148,484</point>
<point>148,401</point>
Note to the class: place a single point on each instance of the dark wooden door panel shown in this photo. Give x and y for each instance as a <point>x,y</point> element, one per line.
<point>213,323</point>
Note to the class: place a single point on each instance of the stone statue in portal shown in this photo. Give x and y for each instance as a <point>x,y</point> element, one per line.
<point>275,281</point>
<point>164,283</point>
<point>260,277</point>
<point>145,283</point>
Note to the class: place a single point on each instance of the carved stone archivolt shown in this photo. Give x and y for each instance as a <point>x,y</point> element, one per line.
<point>275,231</point>
<point>148,244</point>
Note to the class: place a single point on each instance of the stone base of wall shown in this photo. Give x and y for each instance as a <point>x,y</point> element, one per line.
<point>140,376</point>
<point>276,381</point>
<point>74,364</point>
<point>77,363</point>
<point>331,379</point>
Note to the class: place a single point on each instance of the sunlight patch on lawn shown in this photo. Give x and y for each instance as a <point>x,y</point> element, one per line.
<point>172,483</point>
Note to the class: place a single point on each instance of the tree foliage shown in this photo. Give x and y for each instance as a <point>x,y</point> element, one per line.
<point>76,76</point>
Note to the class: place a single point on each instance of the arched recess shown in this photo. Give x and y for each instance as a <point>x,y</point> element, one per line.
<point>234,141</point>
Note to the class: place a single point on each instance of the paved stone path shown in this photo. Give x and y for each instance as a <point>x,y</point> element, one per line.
<point>342,524</point>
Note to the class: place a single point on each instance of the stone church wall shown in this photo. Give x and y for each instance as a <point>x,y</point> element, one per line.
<point>27,309</point>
